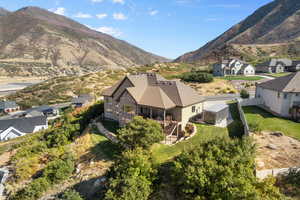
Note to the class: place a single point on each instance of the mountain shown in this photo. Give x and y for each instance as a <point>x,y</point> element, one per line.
<point>271,26</point>
<point>3,12</point>
<point>34,41</point>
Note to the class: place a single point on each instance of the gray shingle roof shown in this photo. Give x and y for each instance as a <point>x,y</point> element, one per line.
<point>289,83</point>
<point>25,125</point>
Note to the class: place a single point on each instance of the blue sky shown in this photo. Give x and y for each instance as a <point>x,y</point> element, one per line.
<point>165,27</point>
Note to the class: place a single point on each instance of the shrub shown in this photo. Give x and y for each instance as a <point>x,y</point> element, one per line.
<point>34,190</point>
<point>255,127</point>
<point>197,76</point>
<point>131,177</point>
<point>71,195</point>
<point>220,169</point>
<point>58,170</point>
<point>245,94</point>
<point>140,133</point>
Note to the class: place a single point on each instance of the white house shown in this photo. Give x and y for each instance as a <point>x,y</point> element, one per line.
<point>233,67</point>
<point>12,128</point>
<point>281,96</point>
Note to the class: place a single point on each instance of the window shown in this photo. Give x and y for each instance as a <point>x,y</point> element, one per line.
<point>128,109</point>
<point>297,94</point>
<point>285,96</point>
<point>194,109</point>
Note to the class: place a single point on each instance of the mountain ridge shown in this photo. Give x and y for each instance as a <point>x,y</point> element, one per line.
<point>276,21</point>
<point>62,46</point>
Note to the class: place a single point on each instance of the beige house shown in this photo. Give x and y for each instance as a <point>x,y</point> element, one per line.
<point>281,96</point>
<point>171,103</point>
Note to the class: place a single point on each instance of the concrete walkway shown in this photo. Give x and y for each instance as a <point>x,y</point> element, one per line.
<point>111,136</point>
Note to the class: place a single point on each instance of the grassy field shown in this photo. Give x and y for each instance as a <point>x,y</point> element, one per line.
<point>280,74</point>
<point>162,153</point>
<point>243,78</point>
<point>268,122</point>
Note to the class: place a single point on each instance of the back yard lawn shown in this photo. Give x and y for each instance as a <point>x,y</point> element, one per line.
<point>244,78</point>
<point>162,153</point>
<point>268,122</point>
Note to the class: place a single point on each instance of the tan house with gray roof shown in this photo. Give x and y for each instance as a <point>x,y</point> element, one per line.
<point>281,96</point>
<point>172,103</point>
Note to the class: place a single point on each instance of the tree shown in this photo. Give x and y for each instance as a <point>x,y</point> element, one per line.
<point>131,177</point>
<point>220,169</point>
<point>71,195</point>
<point>245,94</point>
<point>140,133</point>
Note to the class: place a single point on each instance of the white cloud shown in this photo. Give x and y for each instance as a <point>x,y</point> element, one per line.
<point>109,30</point>
<point>212,19</point>
<point>119,16</point>
<point>101,15</point>
<point>226,6</point>
<point>59,11</point>
<point>119,1</point>
<point>153,12</point>
<point>83,15</point>
<point>97,1</point>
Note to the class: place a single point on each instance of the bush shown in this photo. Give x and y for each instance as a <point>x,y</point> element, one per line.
<point>245,94</point>
<point>131,177</point>
<point>197,76</point>
<point>140,133</point>
<point>71,195</point>
<point>34,190</point>
<point>220,169</point>
<point>255,127</point>
<point>58,170</point>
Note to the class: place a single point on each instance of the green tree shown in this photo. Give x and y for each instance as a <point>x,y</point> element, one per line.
<point>71,195</point>
<point>245,94</point>
<point>220,169</point>
<point>197,76</point>
<point>140,133</point>
<point>131,177</point>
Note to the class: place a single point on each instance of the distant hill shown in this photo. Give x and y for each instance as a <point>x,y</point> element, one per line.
<point>34,41</point>
<point>275,24</point>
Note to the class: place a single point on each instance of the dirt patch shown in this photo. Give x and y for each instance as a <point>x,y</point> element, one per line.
<point>275,150</point>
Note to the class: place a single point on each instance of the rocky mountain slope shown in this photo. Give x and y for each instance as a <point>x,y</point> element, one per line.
<point>34,41</point>
<point>277,23</point>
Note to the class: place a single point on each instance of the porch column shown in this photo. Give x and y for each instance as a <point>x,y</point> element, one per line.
<point>150,112</point>
<point>164,118</point>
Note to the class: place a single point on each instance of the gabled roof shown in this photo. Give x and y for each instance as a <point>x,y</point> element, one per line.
<point>24,125</point>
<point>289,83</point>
<point>7,104</point>
<point>153,90</point>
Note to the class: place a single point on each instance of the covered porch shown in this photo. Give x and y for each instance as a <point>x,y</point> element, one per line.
<point>295,112</point>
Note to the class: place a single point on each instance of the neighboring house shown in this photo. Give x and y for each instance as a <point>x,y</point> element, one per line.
<point>45,110</point>
<point>281,96</point>
<point>233,67</point>
<point>82,100</point>
<point>275,66</point>
<point>171,103</point>
<point>8,106</point>
<point>12,128</point>
<point>295,66</point>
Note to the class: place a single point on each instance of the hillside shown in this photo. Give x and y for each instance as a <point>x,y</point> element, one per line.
<point>62,89</point>
<point>276,23</point>
<point>36,42</point>
<point>3,12</point>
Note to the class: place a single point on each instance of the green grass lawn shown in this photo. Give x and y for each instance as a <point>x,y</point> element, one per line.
<point>162,153</point>
<point>280,74</point>
<point>244,78</point>
<point>268,122</point>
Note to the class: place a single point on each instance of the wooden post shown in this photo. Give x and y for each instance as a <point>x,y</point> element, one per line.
<point>150,112</point>
<point>164,118</point>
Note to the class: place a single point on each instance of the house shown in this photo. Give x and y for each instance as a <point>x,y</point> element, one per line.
<point>233,67</point>
<point>82,100</point>
<point>12,128</point>
<point>45,110</point>
<point>275,66</point>
<point>281,96</point>
<point>295,66</point>
<point>172,103</point>
<point>8,106</point>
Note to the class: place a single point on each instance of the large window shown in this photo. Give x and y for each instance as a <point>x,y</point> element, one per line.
<point>128,108</point>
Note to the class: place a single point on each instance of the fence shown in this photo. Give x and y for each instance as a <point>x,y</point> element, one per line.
<point>243,118</point>
<point>261,174</point>
<point>251,102</point>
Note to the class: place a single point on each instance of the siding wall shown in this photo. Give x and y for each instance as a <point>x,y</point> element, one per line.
<point>187,114</point>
